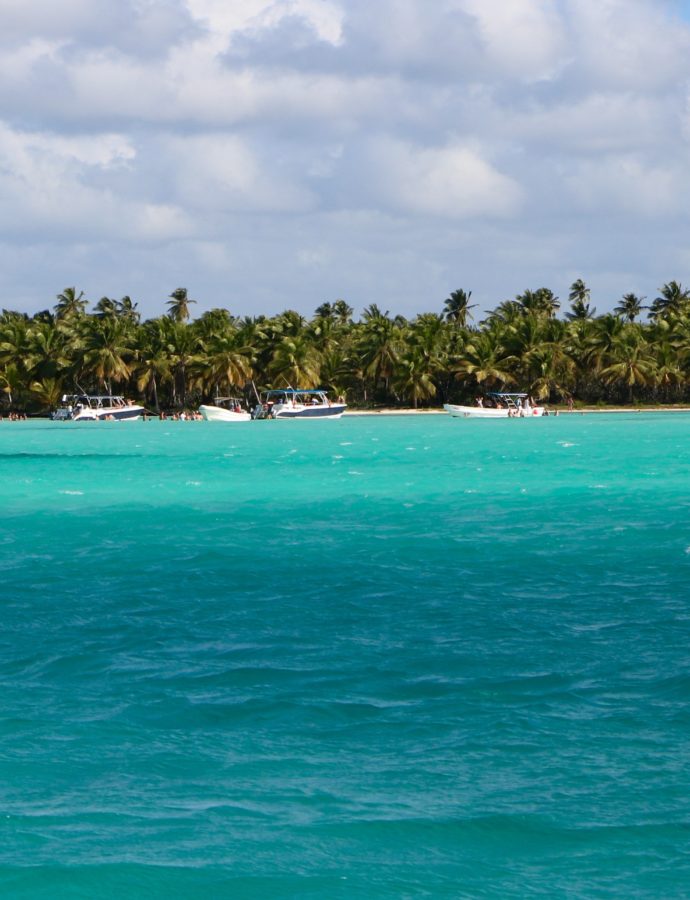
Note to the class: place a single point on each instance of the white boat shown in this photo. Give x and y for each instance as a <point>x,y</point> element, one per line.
<point>505,406</point>
<point>97,408</point>
<point>292,403</point>
<point>225,409</point>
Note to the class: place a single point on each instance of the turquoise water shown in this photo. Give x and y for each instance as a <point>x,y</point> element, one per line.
<point>379,657</point>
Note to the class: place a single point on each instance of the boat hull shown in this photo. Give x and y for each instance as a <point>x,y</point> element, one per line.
<point>97,408</point>
<point>128,414</point>
<point>218,414</point>
<point>334,411</point>
<point>125,414</point>
<point>480,412</point>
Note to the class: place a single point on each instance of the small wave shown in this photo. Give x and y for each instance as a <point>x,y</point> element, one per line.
<point>193,483</point>
<point>73,493</point>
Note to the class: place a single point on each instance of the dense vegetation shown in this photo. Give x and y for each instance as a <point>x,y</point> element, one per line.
<point>523,344</point>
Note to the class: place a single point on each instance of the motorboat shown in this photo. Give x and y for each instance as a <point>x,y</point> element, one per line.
<point>499,406</point>
<point>292,403</point>
<point>96,408</point>
<point>225,409</point>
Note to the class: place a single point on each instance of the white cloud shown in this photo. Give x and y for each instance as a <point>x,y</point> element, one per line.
<point>624,184</point>
<point>220,172</point>
<point>223,19</point>
<point>628,44</point>
<point>53,182</point>
<point>198,125</point>
<point>453,181</point>
<point>523,38</point>
<point>594,123</point>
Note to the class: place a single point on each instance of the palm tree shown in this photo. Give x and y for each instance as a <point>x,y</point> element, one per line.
<point>673,299</point>
<point>105,351</point>
<point>47,392</point>
<point>457,307</point>
<point>106,308</point>
<point>603,337</point>
<point>425,356</point>
<point>128,310</point>
<point>342,312</point>
<point>668,371</point>
<point>152,366</point>
<point>179,305</point>
<point>324,311</point>
<point>296,361</point>
<point>291,322</point>
<point>579,301</point>
<point>579,291</point>
<point>226,361</point>
<point>632,363</point>
<point>542,302</point>
<point>413,376</point>
<point>378,346</point>
<point>484,360</point>
<point>46,354</point>
<point>507,312</point>
<point>69,304</point>
<point>551,370</point>
<point>11,381</point>
<point>629,307</point>
<point>182,347</point>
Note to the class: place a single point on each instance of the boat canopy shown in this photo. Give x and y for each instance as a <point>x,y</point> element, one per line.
<point>506,395</point>
<point>292,391</point>
<point>91,398</point>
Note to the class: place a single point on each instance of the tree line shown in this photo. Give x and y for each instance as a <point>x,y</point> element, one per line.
<point>527,344</point>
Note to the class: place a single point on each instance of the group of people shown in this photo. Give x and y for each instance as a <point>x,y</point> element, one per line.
<point>518,407</point>
<point>184,416</point>
<point>14,417</point>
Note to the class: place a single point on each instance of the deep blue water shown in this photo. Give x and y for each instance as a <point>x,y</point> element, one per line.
<point>379,657</point>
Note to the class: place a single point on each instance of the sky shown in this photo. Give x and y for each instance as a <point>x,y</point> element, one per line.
<point>277,154</point>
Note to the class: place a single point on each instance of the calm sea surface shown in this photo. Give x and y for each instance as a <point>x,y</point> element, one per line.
<point>379,657</point>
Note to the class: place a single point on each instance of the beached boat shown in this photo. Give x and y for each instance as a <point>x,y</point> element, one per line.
<point>503,406</point>
<point>225,409</point>
<point>291,403</point>
<point>95,408</point>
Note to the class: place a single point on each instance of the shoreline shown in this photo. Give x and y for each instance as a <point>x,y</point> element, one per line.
<point>391,411</point>
<point>410,411</point>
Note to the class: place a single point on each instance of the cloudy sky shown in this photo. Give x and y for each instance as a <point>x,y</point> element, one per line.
<point>273,154</point>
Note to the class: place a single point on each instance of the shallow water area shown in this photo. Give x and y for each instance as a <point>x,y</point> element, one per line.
<point>375,657</point>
